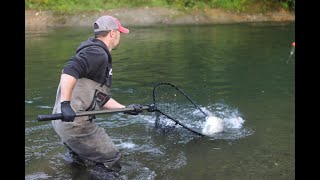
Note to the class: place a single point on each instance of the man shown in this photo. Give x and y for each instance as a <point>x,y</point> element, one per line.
<point>84,86</point>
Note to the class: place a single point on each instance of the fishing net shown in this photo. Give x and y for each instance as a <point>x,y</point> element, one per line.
<point>172,107</point>
<point>175,108</point>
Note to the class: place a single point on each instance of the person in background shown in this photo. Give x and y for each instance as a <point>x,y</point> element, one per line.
<point>85,85</point>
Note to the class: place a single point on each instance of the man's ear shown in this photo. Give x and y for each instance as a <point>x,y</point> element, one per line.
<point>112,33</point>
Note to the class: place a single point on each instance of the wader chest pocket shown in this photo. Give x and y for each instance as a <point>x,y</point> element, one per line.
<point>101,98</point>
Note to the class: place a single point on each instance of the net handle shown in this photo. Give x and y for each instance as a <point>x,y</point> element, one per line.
<point>58,116</point>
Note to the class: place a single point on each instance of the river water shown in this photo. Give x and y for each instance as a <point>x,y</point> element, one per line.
<point>241,73</point>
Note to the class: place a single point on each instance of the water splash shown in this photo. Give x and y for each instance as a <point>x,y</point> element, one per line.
<point>37,129</point>
<point>212,125</point>
<point>233,122</point>
<point>37,175</point>
<point>226,123</point>
<point>44,107</point>
<point>127,145</point>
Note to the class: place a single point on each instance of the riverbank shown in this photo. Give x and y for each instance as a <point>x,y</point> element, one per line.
<point>148,16</point>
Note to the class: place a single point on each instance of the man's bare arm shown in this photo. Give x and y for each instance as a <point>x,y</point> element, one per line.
<point>67,84</point>
<point>113,104</point>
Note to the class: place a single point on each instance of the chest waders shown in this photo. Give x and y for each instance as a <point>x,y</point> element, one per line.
<point>83,135</point>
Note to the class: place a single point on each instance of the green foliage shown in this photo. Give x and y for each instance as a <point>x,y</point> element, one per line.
<point>231,4</point>
<point>85,5</point>
<point>288,4</point>
<point>99,5</point>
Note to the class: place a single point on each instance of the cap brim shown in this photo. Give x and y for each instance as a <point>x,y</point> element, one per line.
<point>123,30</point>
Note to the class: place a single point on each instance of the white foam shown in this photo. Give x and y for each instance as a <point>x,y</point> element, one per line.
<point>45,107</point>
<point>235,122</point>
<point>37,175</point>
<point>212,125</point>
<point>127,145</point>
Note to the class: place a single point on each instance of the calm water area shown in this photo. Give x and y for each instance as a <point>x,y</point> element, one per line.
<point>242,73</point>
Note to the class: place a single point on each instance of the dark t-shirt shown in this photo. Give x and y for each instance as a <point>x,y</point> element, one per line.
<point>93,61</point>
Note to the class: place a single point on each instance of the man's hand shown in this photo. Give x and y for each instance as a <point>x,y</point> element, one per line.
<point>68,114</point>
<point>137,109</point>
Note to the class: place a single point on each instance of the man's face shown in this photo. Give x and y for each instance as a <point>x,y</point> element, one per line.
<point>116,39</point>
